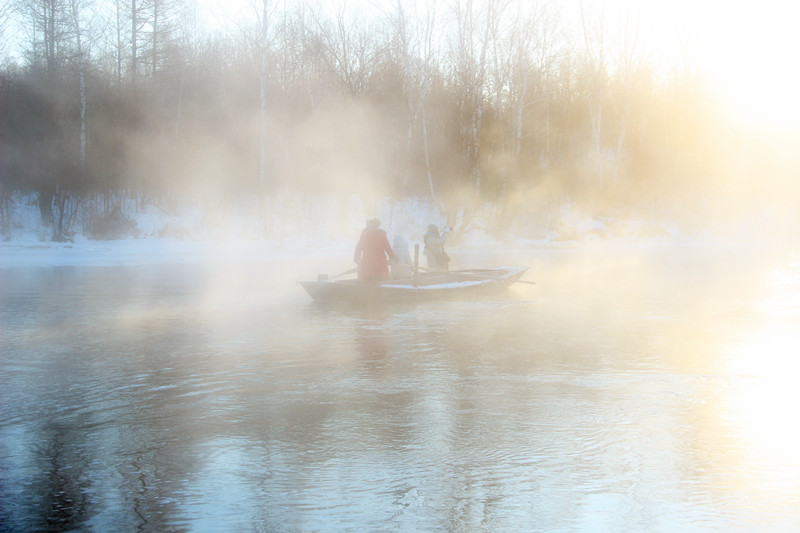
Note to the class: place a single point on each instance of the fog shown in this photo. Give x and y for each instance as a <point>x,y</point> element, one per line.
<point>164,187</point>
<point>643,386</point>
<point>515,121</point>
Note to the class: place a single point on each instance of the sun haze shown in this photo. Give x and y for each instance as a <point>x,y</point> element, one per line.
<point>744,51</point>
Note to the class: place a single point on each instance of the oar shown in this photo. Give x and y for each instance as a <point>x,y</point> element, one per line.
<point>468,274</point>
<point>324,277</point>
<point>346,272</point>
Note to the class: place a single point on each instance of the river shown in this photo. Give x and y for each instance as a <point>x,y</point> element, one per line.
<point>633,388</point>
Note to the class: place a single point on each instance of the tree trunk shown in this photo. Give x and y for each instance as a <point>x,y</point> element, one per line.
<point>45,197</point>
<point>81,76</point>
<point>262,163</point>
<point>155,38</point>
<point>60,201</point>
<point>134,50</point>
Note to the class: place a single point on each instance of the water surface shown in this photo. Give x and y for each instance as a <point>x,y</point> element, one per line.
<point>631,389</point>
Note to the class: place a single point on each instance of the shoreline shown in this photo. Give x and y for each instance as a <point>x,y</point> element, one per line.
<point>163,251</point>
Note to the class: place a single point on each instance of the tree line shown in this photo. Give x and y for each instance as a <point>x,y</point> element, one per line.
<point>458,101</point>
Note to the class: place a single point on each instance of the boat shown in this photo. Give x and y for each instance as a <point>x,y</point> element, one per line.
<point>424,286</point>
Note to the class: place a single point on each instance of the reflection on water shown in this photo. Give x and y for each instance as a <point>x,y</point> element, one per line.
<point>630,389</point>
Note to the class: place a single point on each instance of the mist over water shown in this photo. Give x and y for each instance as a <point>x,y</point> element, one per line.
<point>633,388</point>
<point>636,387</point>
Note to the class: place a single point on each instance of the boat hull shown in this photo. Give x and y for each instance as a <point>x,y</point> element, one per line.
<point>428,286</point>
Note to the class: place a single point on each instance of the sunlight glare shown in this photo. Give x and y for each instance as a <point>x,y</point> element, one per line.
<point>763,409</point>
<point>757,79</point>
<point>747,51</point>
<point>744,51</point>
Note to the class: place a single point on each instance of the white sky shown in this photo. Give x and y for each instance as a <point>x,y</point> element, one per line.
<point>746,50</point>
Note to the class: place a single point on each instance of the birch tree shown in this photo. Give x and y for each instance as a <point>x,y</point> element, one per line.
<point>594,48</point>
<point>428,54</point>
<point>5,19</point>
<point>521,57</point>
<point>187,34</point>
<point>628,67</point>
<point>509,57</point>
<point>120,48</point>
<point>350,50</point>
<point>414,36</point>
<point>265,16</point>
<point>476,28</point>
<point>47,26</point>
<point>134,17</point>
<point>403,49</point>
<point>75,7</point>
<point>608,156</point>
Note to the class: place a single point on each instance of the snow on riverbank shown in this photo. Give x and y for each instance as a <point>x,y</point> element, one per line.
<point>334,255</point>
<point>311,230</point>
<point>317,219</point>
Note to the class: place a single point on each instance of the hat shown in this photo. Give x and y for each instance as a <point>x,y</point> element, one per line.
<point>433,228</point>
<point>373,223</point>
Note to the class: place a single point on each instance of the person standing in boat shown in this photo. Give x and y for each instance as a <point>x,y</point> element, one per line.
<point>438,260</point>
<point>372,251</point>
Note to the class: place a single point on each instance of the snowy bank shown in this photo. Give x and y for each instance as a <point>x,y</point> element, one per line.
<point>319,220</point>
<point>323,232</point>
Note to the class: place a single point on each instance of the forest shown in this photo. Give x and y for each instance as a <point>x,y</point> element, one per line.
<point>471,106</point>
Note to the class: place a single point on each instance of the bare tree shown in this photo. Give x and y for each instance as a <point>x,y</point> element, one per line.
<point>594,45</point>
<point>426,33</point>
<point>75,8</point>
<point>134,17</point>
<point>521,61</point>
<point>476,28</point>
<point>47,25</point>
<point>5,18</point>
<point>627,69</point>
<point>265,16</point>
<point>187,30</point>
<point>414,44</point>
<point>119,47</point>
<point>598,79</point>
<point>351,49</point>
<point>475,98</point>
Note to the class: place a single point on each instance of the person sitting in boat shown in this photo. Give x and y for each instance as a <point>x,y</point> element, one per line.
<point>403,267</point>
<point>372,251</point>
<point>438,260</point>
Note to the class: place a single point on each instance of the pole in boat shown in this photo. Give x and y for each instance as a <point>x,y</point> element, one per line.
<point>416,264</point>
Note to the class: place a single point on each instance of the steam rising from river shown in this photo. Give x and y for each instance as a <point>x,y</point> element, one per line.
<point>324,173</point>
<point>647,374</point>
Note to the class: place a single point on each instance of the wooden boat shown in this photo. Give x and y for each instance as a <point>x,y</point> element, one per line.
<point>425,286</point>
